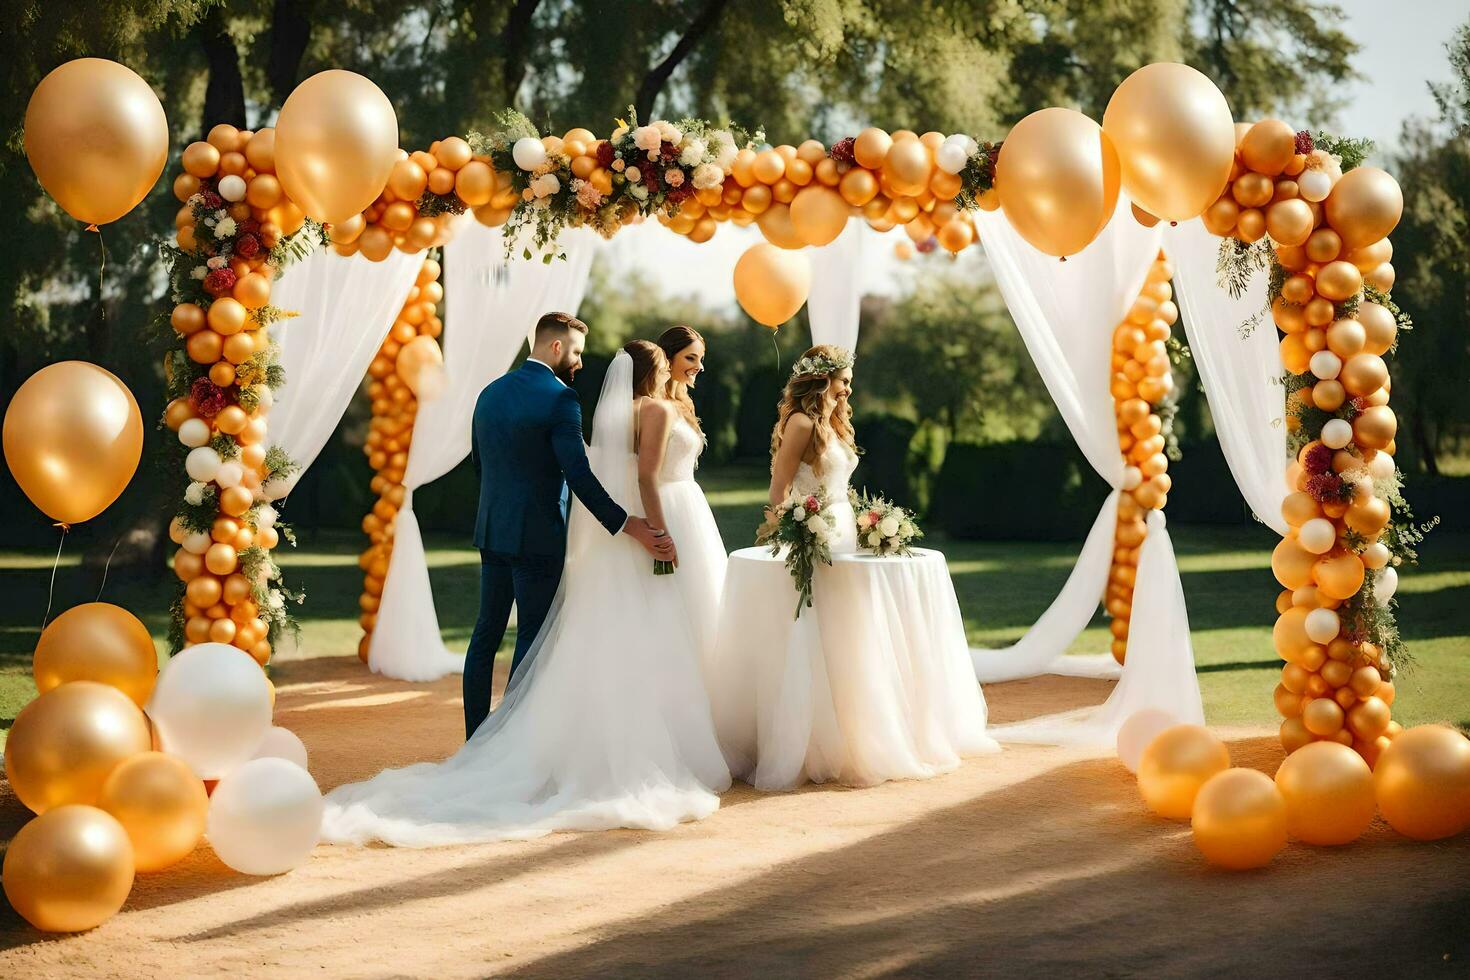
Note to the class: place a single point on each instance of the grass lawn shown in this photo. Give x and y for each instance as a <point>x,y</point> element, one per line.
<point>1003,587</point>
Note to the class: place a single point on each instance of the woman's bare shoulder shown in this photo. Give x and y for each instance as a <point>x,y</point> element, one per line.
<point>798,424</point>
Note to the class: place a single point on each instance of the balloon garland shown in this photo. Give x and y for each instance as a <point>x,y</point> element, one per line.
<point>395,379</point>
<point>1142,379</point>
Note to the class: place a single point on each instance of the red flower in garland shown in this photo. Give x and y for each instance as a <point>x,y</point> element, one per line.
<point>1318,459</point>
<point>1360,403</point>
<point>207,397</point>
<point>649,170</point>
<point>1325,487</point>
<point>604,154</point>
<point>668,151</point>
<point>679,194</point>
<point>249,226</point>
<point>842,151</point>
<point>247,246</point>
<point>211,199</point>
<point>928,245</point>
<point>1304,143</point>
<point>219,282</point>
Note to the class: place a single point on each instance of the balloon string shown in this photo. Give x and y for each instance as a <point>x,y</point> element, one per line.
<point>50,595</point>
<point>107,567</point>
<point>776,348</point>
<point>101,270</point>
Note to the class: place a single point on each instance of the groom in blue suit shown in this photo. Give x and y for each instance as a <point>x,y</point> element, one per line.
<point>527,446</point>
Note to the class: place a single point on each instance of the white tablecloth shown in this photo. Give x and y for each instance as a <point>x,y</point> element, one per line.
<point>874,683</point>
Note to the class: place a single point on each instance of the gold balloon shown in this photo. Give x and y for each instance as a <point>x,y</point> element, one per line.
<point>1379,328</point>
<point>160,803</point>
<point>1364,206</point>
<point>63,744</point>
<point>1289,222</point>
<point>871,147</point>
<point>772,283</point>
<point>1292,564</point>
<point>1175,139</point>
<point>818,214</point>
<point>858,187</point>
<point>908,167</point>
<point>69,870</point>
<point>775,224</point>
<point>1423,782</point>
<point>1058,180</point>
<point>1375,427</point>
<point>1328,790</point>
<point>1175,765</point>
<point>1363,373</point>
<point>97,138</point>
<point>336,144</point>
<point>73,437</point>
<point>1239,819</point>
<point>418,356</point>
<point>1339,575</point>
<point>97,641</point>
<point>1267,147</point>
<point>1338,280</point>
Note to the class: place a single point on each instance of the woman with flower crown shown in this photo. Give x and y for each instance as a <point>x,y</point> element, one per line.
<point>874,681</point>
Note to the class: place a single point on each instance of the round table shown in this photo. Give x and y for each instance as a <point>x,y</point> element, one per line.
<point>872,683</point>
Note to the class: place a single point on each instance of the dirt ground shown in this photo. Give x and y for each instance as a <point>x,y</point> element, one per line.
<point>1037,862</point>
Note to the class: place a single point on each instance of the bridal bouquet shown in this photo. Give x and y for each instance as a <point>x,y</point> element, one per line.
<point>883,528</point>
<point>804,525</point>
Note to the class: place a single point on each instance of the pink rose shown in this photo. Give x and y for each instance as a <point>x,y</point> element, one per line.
<point>874,516</point>
<point>674,177</point>
<point>812,506</point>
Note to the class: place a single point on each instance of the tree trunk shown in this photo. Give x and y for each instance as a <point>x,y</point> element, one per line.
<point>224,97</point>
<point>513,45</point>
<point>655,80</point>
<point>290,32</point>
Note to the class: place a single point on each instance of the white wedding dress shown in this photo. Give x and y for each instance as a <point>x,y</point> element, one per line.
<point>700,577</point>
<point>872,683</point>
<point>606,723</point>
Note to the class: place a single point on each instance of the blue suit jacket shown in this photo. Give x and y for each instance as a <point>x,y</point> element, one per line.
<point>527,446</point>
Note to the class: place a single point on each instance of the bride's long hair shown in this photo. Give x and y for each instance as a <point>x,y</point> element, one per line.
<point>806,394</point>
<point>672,341</point>
<point>647,358</point>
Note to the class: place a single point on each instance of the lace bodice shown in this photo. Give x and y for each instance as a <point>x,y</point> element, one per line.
<point>681,453</point>
<point>838,463</point>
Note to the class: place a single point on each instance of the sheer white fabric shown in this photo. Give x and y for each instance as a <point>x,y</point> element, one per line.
<point>1066,312</point>
<point>490,306</point>
<point>700,577</point>
<point>346,307</point>
<point>1241,374</point>
<point>836,295</point>
<point>606,723</point>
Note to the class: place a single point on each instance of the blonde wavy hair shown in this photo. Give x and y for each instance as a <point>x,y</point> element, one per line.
<point>806,394</point>
<point>672,341</point>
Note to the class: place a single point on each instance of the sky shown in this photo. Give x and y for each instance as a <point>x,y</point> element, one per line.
<point>1402,49</point>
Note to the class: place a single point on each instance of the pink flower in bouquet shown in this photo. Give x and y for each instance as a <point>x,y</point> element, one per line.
<point>674,177</point>
<point>647,138</point>
<point>874,517</point>
<point>588,196</point>
<point>811,505</point>
<point>618,165</point>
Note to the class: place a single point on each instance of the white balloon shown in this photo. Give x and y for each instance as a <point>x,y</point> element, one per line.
<point>281,743</point>
<point>229,474</point>
<point>266,517</point>
<point>1132,477</point>
<point>1140,729</point>
<point>197,542</point>
<point>528,153</point>
<point>951,158</point>
<point>275,488</point>
<point>1325,365</point>
<point>231,188</point>
<point>1314,185</point>
<point>194,433</point>
<point>265,817</point>
<point>1375,555</point>
<point>1317,535</point>
<point>1322,625</point>
<point>211,707</point>
<point>1337,433</point>
<point>1381,467</point>
<point>202,464</point>
<point>265,398</point>
<point>1386,585</point>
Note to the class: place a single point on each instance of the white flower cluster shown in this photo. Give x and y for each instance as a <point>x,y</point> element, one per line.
<point>821,364</point>
<point>545,186</point>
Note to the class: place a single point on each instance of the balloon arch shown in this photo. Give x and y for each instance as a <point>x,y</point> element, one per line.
<point>254,202</point>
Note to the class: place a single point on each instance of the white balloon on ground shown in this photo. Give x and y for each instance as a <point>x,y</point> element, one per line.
<point>265,817</point>
<point>1140,729</point>
<point>281,743</point>
<point>211,707</point>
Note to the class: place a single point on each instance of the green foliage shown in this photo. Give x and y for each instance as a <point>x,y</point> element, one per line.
<point>225,445</point>
<point>1352,152</point>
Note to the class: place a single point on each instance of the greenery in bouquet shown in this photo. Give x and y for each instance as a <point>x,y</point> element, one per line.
<point>883,527</point>
<point>804,526</point>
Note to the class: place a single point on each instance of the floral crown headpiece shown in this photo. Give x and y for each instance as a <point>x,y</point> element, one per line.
<point>819,365</point>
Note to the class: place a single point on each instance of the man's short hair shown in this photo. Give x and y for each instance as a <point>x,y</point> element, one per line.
<point>557,326</point>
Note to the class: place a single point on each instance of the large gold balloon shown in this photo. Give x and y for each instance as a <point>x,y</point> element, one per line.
<point>97,641</point>
<point>908,166</point>
<point>818,214</point>
<point>775,224</point>
<point>72,439</point>
<point>772,283</point>
<point>97,138</point>
<point>1175,765</point>
<point>69,870</point>
<point>1058,180</point>
<point>63,744</point>
<point>1423,782</point>
<point>1175,139</point>
<point>336,144</point>
<point>1364,206</point>
<point>160,803</point>
<point>418,357</point>
<point>1239,819</point>
<point>1328,790</point>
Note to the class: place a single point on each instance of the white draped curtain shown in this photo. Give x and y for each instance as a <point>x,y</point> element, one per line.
<point>1240,368</point>
<point>836,295</point>
<point>491,307</point>
<point>1066,312</point>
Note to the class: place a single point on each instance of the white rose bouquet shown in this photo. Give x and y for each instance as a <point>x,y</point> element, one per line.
<point>804,525</point>
<point>883,527</point>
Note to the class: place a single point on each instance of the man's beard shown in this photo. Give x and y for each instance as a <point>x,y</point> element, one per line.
<point>566,370</point>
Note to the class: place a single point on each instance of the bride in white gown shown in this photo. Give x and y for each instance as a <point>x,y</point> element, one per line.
<point>606,723</point>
